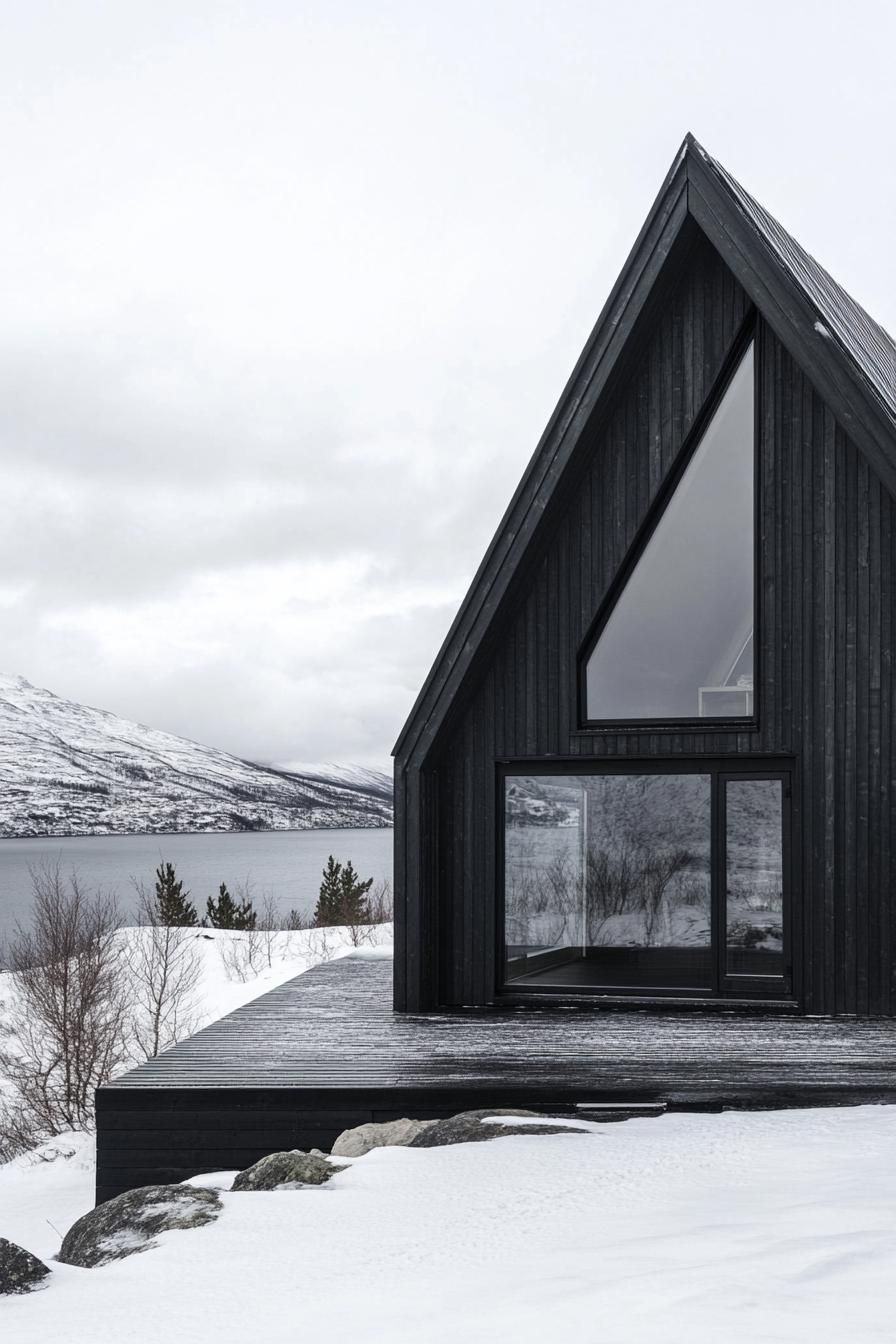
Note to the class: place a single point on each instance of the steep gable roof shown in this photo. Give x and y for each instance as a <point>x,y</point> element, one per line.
<point>862,339</point>
<point>848,356</point>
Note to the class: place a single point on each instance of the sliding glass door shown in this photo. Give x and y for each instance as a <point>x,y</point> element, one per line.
<point>666,878</point>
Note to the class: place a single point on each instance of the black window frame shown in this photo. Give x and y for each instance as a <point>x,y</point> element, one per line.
<point>774,990</point>
<point>749,333</point>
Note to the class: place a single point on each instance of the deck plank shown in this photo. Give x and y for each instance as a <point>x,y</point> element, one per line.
<point>333,1027</point>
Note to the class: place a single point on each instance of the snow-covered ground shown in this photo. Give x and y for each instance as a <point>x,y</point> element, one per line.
<point>265,959</point>
<point>753,1227</point>
<point>235,968</point>
<point>736,1227</point>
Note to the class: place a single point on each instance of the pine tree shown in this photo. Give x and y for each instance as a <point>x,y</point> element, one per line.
<point>343,896</point>
<point>171,904</point>
<point>224,913</point>
<point>327,907</point>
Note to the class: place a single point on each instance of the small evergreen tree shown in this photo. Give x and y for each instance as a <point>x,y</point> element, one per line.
<point>171,904</point>
<point>343,896</point>
<point>224,913</point>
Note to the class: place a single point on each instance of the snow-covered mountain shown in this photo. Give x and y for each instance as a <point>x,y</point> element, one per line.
<point>66,769</point>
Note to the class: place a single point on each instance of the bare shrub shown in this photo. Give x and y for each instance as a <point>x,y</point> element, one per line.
<point>631,880</point>
<point>359,934</point>
<point>378,909</point>
<point>611,886</point>
<point>165,971</point>
<point>380,903</point>
<point>243,953</point>
<point>235,958</point>
<point>323,943</point>
<point>254,940</point>
<point>657,871</point>
<point>541,896</point>
<point>268,924</point>
<point>626,892</point>
<point>67,1029</point>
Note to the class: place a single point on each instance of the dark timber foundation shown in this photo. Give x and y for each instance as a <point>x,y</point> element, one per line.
<point>325,1051</point>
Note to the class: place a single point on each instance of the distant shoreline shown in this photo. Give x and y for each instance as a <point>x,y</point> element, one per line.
<point>131,835</point>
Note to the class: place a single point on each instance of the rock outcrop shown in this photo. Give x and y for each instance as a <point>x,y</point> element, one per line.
<point>130,1222</point>
<point>390,1134</point>
<point>468,1127</point>
<point>286,1171</point>
<point>20,1271</point>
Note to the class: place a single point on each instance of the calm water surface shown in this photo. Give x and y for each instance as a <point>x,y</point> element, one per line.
<point>283,864</point>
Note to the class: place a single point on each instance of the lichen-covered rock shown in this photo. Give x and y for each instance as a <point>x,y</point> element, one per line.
<point>468,1127</point>
<point>130,1222</point>
<point>390,1134</point>
<point>286,1171</point>
<point>20,1271</point>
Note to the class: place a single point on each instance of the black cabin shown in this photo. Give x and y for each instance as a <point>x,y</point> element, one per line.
<point>655,758</point>
<point>654,761</point>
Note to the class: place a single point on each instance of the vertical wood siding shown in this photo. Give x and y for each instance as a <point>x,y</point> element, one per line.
<point>824,677</point>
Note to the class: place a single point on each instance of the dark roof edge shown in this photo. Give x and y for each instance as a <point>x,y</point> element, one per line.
<point>862,340</point>
<point>823,329</point>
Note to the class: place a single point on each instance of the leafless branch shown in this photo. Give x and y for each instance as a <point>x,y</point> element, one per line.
<point>66,1030</point>
<point>165,971</point>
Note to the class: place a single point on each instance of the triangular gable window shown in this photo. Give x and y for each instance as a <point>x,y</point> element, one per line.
<point>678,644</point>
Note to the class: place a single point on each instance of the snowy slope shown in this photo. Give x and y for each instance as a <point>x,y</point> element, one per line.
<point>745,1228</point>
<point>66,769</point>
<point>43,1192</point>
<point>233,969</point>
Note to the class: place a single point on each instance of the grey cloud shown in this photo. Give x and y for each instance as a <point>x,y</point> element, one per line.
<point>95,542</point>
<point>291,286</point>
<point>278,704</point>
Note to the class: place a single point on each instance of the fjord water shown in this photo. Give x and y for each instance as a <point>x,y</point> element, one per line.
<point>283,864</point>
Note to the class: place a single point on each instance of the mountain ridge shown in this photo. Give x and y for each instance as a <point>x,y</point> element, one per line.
<point>71,769</point>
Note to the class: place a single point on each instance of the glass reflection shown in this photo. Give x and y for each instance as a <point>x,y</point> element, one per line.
<point>607,880</point>
<point>754,888</point>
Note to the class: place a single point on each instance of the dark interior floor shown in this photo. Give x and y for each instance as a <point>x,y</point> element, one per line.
<point>325,1051</point>
<point>610,973</point>
<point>582,975</point>
<point>683,971</point>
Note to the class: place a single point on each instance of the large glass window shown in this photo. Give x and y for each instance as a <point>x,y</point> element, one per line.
<point>678,644</point>
<point>608,879</point>
<point>667,880</point>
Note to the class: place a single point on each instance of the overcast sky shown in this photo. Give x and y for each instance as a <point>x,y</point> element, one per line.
<point>289,290</point>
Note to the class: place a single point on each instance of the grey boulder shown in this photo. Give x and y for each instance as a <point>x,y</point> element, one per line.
<point>390,1134</point>
<point>130,1222</point>
<point>468,1128</point>
<point>286,1171</point>
<point>20,1271</point>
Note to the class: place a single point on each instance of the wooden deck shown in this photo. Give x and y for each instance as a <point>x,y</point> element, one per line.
<point>325,1051</point>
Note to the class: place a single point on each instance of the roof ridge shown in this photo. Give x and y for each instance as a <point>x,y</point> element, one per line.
<point>867,342</point>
